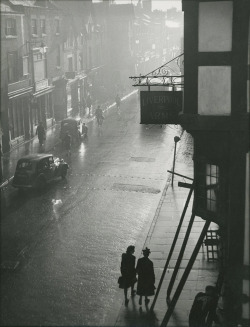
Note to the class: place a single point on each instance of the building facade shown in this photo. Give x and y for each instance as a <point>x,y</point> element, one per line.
<point>216,113</point>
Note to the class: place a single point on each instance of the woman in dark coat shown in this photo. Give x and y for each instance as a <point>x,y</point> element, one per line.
<point>146,277</point>
<point>128,271</point>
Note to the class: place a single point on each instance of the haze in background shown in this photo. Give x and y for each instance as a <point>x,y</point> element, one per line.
<point>156,4</point>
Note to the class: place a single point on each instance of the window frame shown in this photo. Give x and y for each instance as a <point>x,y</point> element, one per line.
<point>43,26</point>
<point>13,29</point>
<point>34,28</point>
<point>12,69</point>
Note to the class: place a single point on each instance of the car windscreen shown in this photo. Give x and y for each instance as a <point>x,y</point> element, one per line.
<point>24,165</point>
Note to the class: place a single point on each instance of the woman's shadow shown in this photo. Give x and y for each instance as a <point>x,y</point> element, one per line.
<point>141,317</point>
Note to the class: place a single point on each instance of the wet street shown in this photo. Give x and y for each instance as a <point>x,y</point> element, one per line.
<point>68,265</point>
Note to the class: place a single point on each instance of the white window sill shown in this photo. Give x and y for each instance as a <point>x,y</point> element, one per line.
<point>11,36</point>
<point>34,35</point>
<point>58,67</point>
<point>57,34</point>
<point>44,34</point>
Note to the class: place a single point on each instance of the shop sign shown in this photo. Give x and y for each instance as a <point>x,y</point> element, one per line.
<point>41,84</point>
<point>160,107</point>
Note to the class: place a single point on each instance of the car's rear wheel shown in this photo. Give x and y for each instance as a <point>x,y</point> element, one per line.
<point>64,173</point>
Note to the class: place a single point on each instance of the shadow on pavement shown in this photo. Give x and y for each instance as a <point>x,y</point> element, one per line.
<point>141,317</point>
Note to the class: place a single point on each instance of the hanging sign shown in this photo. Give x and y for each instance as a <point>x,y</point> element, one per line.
<point>160,107</point>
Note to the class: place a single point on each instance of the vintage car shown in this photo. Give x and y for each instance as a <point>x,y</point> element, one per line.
<point>73,127</point>
<point>36,170</point>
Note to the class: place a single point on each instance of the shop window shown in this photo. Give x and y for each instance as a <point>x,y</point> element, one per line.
<point>16,118</point>
<point>57,24</point>
<point>12,67</point>
<point>43,26</point>
<point>25,66</point>
<point>58,56</point>
<point>48,107</point>
<point>33,26</point>
<point>10,27</point>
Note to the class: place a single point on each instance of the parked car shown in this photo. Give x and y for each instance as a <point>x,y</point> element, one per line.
<point>73,126</point>
<point>36,170</point>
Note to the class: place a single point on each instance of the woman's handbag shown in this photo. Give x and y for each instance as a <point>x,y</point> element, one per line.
<point>121,282</point>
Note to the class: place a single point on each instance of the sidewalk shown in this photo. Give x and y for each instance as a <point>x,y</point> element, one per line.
<point>9,159</point>
<point>159,241</point>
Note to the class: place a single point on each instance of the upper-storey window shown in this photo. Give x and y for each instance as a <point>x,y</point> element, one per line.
<point>12,67</point>
<point>215,26</point>
<point>33,27</point>
<point>57,23</point>
<point>43,26</point>
<point>10,26</point>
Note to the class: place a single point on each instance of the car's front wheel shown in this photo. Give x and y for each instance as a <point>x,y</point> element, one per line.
<point>41,183</point>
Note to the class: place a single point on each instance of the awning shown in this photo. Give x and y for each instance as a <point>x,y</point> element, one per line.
<point>44,91</point>
<point>20,93</point>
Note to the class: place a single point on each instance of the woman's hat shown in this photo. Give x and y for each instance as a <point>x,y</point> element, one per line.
<point>146,251</point>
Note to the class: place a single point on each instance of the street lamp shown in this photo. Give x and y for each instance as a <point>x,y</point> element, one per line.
<point>176,140</point>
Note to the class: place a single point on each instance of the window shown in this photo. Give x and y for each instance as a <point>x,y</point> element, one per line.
<point>25,66</point>
<point>58,56</point>
<point>57,22</point>
<point>12,67</point>
<point>212,186</point>
<point>10,27</point>
<point>208,190</point>
<point>25,165</point>
<point>38,56</point>
<point>33,27</point>
<point>43,26</point>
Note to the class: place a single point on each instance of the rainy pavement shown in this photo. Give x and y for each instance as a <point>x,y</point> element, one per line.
<point>68,263</point>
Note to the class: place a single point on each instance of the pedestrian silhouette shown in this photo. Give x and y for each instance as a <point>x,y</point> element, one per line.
<point>40,132</point>
<point>67,143</point>
<point>128,272</point>
<point>146,277</point>
<point>84,131</point>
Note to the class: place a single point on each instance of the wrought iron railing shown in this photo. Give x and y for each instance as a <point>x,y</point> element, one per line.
<point>164,75</point>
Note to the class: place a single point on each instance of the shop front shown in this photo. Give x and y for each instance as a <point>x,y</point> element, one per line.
<point>42,105</point>
<point>18,112</point>
<point>73,96</point>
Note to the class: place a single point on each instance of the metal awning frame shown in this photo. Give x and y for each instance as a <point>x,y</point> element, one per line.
<point>161,76</point>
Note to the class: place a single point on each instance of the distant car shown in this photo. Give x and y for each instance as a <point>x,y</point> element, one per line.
<point>73,126</point>
<point>36,170</point>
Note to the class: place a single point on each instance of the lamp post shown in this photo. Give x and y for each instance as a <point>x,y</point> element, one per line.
<point>176,140</point>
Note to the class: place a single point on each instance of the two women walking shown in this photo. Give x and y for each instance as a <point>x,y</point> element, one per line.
<point>145,271</point>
